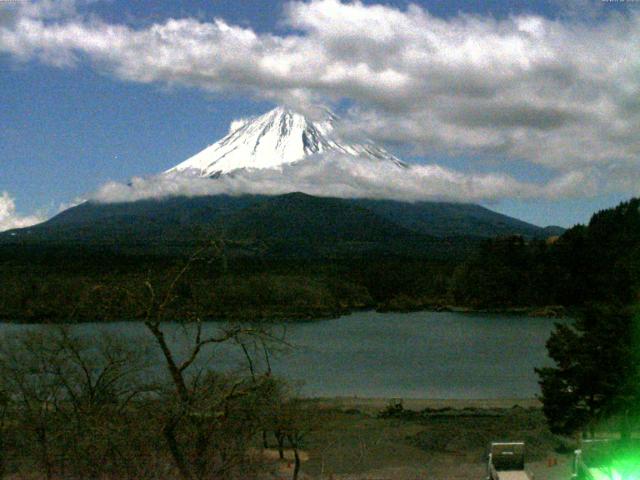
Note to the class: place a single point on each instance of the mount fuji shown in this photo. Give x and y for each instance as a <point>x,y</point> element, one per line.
<point>290,224</point>
<point>277,138</point>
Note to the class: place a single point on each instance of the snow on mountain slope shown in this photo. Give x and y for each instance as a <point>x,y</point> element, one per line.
<point>279,137</point>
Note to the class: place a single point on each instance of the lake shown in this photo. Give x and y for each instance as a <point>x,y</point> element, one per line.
<point>389,355</point>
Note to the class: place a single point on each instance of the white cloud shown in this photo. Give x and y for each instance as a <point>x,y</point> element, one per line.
<point>563,94</point>
<point>9,219</point>
<point>350,177</point>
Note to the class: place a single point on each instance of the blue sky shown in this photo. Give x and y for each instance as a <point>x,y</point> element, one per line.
<point>69,126</point>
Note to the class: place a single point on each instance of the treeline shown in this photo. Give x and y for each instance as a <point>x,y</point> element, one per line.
<point>594,270</point>
<point>56,288</point>
<point>595,381</point>
<point>596,263</point>
<point>599,262</point>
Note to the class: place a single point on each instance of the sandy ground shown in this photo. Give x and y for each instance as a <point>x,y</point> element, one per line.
<point>445,466</point>
<point>439,469</point>
<point>451,470</point>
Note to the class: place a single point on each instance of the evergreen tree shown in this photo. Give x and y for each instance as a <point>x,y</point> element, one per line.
<point>596,373</point>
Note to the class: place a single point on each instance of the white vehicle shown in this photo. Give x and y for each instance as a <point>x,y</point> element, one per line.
<point>506,462</point>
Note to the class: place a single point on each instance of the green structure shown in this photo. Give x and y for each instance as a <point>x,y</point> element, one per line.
<point>607,460</point>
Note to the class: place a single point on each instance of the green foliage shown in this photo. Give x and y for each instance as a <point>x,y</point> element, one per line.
<point>89,288</point>
<point>293,224</point>
<point>599,263</point>
<point>291,274</point>
<point>597,370</point>
<point>505,272</point>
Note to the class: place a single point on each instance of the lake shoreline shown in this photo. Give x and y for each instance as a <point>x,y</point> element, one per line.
<point>376,404</point>
<point>548,311</point>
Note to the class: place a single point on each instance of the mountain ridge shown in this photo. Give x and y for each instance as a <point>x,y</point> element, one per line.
<point>295,221</point>
<point>290,224</point>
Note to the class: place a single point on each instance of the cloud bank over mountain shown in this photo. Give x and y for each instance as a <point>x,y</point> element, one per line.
<point>10,219</point>
<point>562,94</point>
<point>332,175</point>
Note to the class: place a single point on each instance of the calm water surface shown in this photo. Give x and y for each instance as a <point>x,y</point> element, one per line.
<point>408,355</point>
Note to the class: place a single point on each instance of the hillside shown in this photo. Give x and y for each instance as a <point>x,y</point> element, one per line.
<point>290,225</point>
<point>289,256</point>
<point>598,262</point>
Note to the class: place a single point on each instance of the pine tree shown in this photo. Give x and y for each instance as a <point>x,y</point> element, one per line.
<point>596,373</point>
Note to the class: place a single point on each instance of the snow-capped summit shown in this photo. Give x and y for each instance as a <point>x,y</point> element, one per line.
<point>279,137</point>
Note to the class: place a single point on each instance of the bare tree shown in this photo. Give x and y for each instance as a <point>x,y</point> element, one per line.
<point>256,349</point>
<point>203,405</point>
<point>70,392</point>
<point>25,363</point>
<point>292,419</point>
<point>87,407</point>
<point>4,409</point>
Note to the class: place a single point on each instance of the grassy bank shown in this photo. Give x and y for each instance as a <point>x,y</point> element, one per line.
<point>359,438</point>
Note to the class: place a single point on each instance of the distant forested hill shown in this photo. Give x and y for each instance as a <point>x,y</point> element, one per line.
<point>294,224</point>
<point>599,262</point>
<point>296,256</point>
